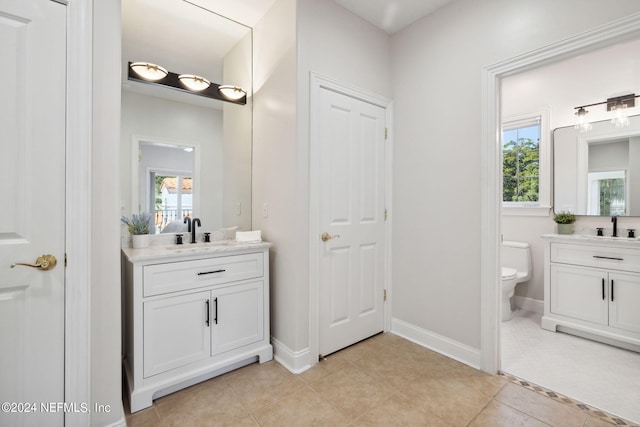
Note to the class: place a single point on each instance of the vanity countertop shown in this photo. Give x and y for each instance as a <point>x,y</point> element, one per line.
<point>603,240</point>
<point>187,250</point>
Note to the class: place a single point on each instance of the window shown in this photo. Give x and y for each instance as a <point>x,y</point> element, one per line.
<point>525,164</point>
<point>607,193</point>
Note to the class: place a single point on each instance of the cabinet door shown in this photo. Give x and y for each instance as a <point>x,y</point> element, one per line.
<point>624,299</point>
<point>237,316</point>
<point>580,293</point>
<point>176,332</point>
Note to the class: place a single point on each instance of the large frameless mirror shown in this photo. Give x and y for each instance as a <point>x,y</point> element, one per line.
<point>190,155</point>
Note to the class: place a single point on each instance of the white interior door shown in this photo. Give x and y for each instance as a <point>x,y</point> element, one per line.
<point>352,214</point>
<point>32,159</point>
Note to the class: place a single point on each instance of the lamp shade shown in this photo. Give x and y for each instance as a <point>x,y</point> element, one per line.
<point>231,92</point>
<point>149,71</point>
<point>194,83</point>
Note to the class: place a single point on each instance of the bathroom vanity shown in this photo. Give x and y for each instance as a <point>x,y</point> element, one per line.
<point>192,312</point>
<point>592,288</point>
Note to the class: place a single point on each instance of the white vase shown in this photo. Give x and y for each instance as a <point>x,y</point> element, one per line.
<point>140,240</point>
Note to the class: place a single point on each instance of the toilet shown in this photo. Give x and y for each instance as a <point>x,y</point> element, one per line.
<point>515,259</point>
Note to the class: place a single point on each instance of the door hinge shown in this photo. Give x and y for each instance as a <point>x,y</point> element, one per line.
<point>386,214</point>
<point>386,133</point>
<point>385,294</point>
<point>65,259</point>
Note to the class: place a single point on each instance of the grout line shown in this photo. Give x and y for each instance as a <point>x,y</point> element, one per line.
<point>590,410</point>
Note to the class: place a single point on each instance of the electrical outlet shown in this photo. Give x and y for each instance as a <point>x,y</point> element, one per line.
<point>239,208</point>
<point>265,210</point>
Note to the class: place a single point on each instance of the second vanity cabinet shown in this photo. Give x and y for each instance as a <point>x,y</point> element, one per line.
<point>592,288</point>
<point>190,315</point>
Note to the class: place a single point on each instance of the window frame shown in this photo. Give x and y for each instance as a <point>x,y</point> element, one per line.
<point>543,206</point>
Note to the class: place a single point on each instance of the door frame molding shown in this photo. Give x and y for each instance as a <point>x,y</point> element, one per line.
<point>77,358</point>
<point>317,82</point>
<point>491,184</point>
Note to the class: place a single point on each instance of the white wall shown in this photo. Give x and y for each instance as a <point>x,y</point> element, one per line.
<point>436,68</point>
<point>295,38</point>
<point>106,373</point>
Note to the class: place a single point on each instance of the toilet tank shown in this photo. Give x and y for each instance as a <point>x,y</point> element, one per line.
<point>517,255</point>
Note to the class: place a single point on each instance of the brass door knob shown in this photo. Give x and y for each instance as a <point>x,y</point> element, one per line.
<point>326,236</point>
<point>44,262</point>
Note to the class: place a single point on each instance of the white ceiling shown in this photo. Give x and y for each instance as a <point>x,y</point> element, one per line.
<point>389,15</point>
<point>392,15</point>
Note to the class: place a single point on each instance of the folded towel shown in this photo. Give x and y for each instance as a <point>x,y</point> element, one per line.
<point>254,236</point>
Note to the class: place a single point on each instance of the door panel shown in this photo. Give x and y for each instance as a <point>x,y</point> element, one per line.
<point>32,143</point>
<point>351,150</point>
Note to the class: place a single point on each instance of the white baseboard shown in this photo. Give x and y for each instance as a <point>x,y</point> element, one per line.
<point>443,345</point>
<point>122,422</point>
<point>295,361</point>
<point>529,304</point>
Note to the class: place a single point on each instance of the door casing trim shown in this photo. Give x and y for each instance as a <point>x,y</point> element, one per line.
<point>318,81</point>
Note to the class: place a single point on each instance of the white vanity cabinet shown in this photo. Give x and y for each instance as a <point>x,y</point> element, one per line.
<point>592,288</point>
<point>191,314</point>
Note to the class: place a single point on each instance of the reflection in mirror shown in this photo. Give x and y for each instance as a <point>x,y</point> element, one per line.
<point>160,121</point>
<point>166,185</point>
<point>598,172</point>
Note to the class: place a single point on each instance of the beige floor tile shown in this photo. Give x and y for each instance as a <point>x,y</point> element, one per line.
<point>485,383</point>
<point>303,408</point>
<point>450,399</point>
<point>399,410</point>
<point>322,369</point>
<point>212,401</point>
<point>260,385</point>
<point>497,414</point>
<point>352,391</point>
<point>541,407</point>
<point>146,418</point>
<point>394,370</point>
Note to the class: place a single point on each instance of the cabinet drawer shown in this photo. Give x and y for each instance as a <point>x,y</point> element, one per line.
<point>178,276</point>
<point>596,256</point>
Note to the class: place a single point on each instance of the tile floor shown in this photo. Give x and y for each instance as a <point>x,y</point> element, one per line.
<point>383,381</point>
<point>597,374</point>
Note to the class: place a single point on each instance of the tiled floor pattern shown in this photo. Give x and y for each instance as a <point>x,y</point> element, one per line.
<point>383,381</point>
<point>597,374</point>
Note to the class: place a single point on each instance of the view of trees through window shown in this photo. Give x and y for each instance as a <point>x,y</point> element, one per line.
<point>521,163</point>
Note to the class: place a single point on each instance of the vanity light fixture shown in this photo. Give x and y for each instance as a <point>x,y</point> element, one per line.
<point>149,71</point>
<point>195,83</point>
<point>232,92</point>
<point>618,105</point>
<point>187,83</point>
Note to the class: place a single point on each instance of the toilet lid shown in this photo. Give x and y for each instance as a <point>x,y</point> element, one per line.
<point>509,273</point>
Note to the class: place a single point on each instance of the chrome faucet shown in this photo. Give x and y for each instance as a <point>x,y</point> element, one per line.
<point>193,228</point>
<point>614,220</point>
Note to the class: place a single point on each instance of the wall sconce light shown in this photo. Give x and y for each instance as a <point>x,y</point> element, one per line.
<point>619,105</point>
<point>195,83</point>
<point>148,71</point>
<point>187,83</point>
<point>582,124</point>
<point>231,92</point>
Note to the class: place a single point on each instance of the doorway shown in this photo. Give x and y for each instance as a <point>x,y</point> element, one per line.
<point>349,240</point>
<point>608,35</point>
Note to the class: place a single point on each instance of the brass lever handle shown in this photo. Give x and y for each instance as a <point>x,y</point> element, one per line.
<point>44,262</point>
<point>326,236</point>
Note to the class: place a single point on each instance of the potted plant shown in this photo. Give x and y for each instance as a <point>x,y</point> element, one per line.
<point>565,220</point>
<point>138,226</point>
